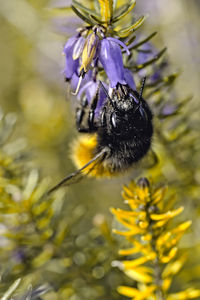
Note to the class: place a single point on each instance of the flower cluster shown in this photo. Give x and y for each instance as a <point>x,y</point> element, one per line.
<point>97,51</point>
<point>154,257</point>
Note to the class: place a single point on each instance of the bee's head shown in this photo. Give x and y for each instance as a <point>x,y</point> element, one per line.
<point>128,112</point>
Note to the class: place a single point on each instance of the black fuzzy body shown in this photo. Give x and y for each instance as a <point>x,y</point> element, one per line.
<point>124,132</point>
<point>130,139</point>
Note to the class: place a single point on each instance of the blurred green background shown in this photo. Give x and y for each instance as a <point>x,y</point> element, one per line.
<point>32,86</point>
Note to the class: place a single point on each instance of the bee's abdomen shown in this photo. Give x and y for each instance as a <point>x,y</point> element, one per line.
<point>123,155</point>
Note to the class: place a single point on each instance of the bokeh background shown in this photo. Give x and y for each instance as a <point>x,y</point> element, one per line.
<point>32,87</point>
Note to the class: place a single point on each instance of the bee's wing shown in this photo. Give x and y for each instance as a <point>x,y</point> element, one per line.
<point>78,175</point>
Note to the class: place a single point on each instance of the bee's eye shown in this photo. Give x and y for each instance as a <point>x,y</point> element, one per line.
<point>143,113</point>
<point>114,120</point>
<point>115,123</point>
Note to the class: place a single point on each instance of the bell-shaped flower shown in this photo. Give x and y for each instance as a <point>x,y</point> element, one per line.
<point>86,50</point>
<point>129,79</point>
<point>71,65</point>
<point>75,80</point>
<point>78,47</point>
<point>90,90</point>
<point>110,56</point>
<point>102,99</point>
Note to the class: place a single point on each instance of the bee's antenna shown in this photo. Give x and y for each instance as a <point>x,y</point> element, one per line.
<point>142,87</point>
<point>106,92</point>
<point>140,94</point>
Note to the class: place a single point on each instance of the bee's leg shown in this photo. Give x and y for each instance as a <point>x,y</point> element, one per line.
<point>91,113</point>
<point>80,112</point>
<point>85,115</point>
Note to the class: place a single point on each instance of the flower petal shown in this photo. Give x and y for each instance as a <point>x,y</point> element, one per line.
<point>110,57</point>
<point>119,43</point>
<point>101,101</point>
<point>78,48</point>
<point>129,79</point>
<point>71,65</point>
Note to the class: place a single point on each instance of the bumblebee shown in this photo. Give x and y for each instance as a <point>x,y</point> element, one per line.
<point>114,140</point>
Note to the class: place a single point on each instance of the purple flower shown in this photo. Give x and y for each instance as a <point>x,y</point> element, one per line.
<point>75,79</point>
<point>81,52</point>
<point>90,89</point>
<point>129,79</point>
<point>78,47</point>
<point>71,65</point>
<point>101,100</point>
<point>110,56</point>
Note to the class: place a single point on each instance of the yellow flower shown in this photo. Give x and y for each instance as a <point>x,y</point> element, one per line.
<point>154,252</point>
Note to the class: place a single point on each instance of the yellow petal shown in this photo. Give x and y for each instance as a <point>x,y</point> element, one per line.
<point>143,224</point>
<point>138,247</point>
<point>165,259</point>
<point>124,213</point>
<point>125,217</point>
<point>174,267</point>
<point>168,215</point>
<point>143,194</point>
<point>177,232</point>
<point>184,295</point>
<point>132,292</point>
<point>127,192</point>
<point>182,227</point>
<point>166,284</point>
<point>144,248</point>
<point>139,275</point>
<point>160,223</point>
<point>128,251</point>
<point>146,237</point>
<point>158,195</point>
<point>139,261</point>
<point>132,203</point>
<point>127,224</point>
<point>128,291</point>
<point>128,233</point>
<point>163,238</point>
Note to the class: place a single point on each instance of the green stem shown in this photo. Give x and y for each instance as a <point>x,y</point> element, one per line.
<point>157,268</point>
<point>158,280</point>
